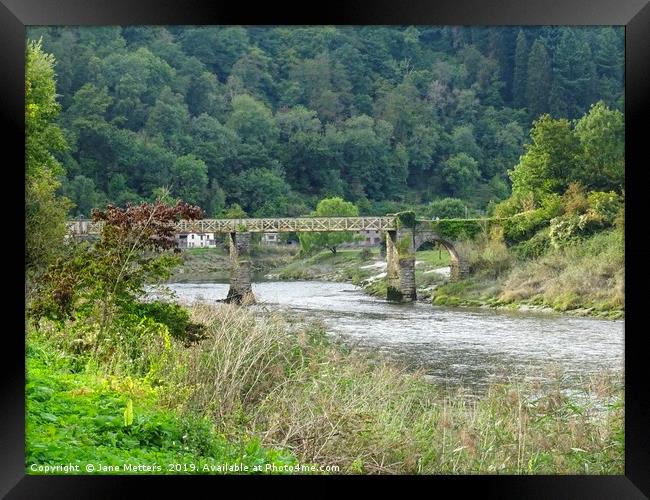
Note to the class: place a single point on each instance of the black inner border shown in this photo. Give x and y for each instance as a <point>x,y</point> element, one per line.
<point>634,14</point>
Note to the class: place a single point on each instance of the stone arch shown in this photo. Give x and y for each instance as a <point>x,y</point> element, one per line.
<point>458,264</point>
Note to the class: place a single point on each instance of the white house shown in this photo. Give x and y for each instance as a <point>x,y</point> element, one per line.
<point>195,240</point>
<point>270,238</point>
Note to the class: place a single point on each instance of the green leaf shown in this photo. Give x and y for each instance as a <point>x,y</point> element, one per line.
<point>128,413</point>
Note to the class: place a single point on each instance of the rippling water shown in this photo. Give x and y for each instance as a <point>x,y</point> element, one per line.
<point>471,347</point>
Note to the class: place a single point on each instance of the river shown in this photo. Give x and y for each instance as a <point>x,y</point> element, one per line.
<point>454,346</point>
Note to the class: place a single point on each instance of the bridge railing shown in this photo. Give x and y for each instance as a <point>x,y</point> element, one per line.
<point>257,225</point>
<point>288,224</point>
<point>84,227</point>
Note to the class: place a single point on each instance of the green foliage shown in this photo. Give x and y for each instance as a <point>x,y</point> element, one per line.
<point>329,207</point>
<point>252,120</point>
<point>446,208</point>
<point>550,162</point>
<point>234,212</point>
<point>591,153</point>
<point>534,247</point>
<point>572,161</point>
<point>407,219</point>
<point>523,225</point>
<point>597,211</point>
<point>173,316</point>
<point>539,77</point>
<point>378,116</point>
<point>605,206</point>
<point>104,279</point>
<point>460,172</point>
<point>458,229</point>
<point>45,212</point>
<point>520,71</point>
<point>84,418</point>
<point>190,176</point>
<point>602,136</point>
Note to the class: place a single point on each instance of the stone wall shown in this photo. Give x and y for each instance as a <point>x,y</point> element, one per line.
<point>393,291</point>
<point>407,278</point>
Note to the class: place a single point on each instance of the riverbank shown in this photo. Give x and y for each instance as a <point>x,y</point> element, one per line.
<point>585,279</point>
<point>365,268</point>
<point>270,389</point>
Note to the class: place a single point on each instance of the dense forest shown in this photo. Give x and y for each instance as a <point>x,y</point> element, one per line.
<point>275,119</point>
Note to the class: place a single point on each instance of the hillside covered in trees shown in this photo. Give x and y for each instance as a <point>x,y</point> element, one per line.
<point>274,119</point>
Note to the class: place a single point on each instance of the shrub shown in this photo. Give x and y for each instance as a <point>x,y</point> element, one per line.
<point>534,247</point>
<point>174,316</point>
<point>447,208</point>
<point>569,229</point>
<point>406,219</point>
<point>107,277</point>
<point>574,199</point>
<point>524,225</point>
<point>605,205</point>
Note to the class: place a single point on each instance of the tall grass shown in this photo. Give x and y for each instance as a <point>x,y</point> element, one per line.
<point>587,275</point>
<point>286,384</point>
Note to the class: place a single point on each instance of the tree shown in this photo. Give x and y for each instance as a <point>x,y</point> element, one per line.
<point>550,162</point>
<point>45,212</point>
<point>252,120</point>
<point>463,141</point>
<point>106,279</point>
<point>369,165</point>
<point>446,208</point>
<point>601,133</point>
<point>252,71</point>
<point>329,207</point>
<point>169,119</point>
<point>190,176</point>
<point>302,150</point>
<point>460,172</point>
<point>574,75</point>
<point>371,114</point>
<point>234,211</point>
<point>262,192</point>
<point>216,144</point>
<point>538,81</point>
<point>520,75</point>
<point>81,190</point>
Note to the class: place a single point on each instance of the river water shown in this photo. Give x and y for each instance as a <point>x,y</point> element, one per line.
<point>454,346</point>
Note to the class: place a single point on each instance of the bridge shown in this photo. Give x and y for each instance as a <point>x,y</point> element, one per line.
<point>402,241</point>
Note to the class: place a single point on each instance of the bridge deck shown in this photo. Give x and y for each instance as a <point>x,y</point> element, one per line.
<point>275,225</point>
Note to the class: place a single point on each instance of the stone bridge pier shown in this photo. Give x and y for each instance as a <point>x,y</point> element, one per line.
<point>241,291</point>
<point>401,245</point>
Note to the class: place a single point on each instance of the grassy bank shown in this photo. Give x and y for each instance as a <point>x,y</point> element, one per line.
<point>585,278</point>
<point>253,385</point>
<point>345,265</point>
<point>213,264</point>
